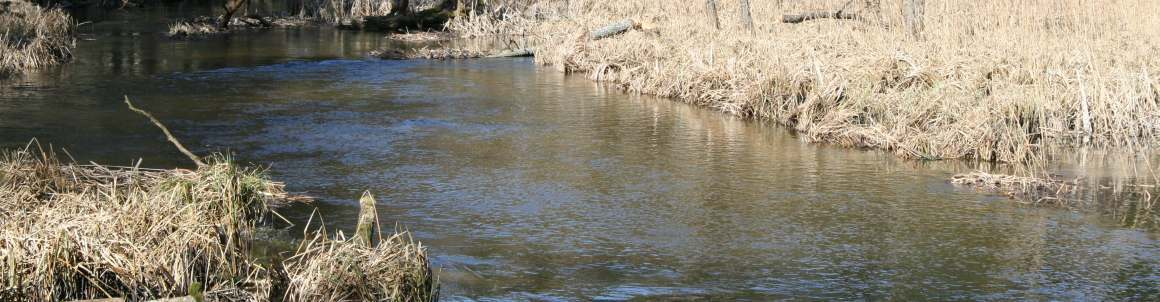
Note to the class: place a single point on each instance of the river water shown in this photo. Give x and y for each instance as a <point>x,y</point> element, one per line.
<point>526,184</point>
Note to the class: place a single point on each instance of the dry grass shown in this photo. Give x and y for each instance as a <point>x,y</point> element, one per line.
<point>345,270</point>
<point>32,37</point>
<point>1020,187</point>
<point>991,80</point>
<point>70,231</point>
<point>192,29</point>
<point>428,54</point>
<point>204,26</point>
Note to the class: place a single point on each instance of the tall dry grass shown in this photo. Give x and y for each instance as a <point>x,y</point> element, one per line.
<point>342,269</point>
<point>990,80</point>
<point>32,37</point>
<point>71,231</point>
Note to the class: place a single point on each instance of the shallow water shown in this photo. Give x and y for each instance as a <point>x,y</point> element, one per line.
<point>530,185</point>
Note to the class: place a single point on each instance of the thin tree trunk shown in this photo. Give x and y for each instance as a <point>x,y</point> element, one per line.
<point>746,17</point>
<point>400,7</point>
<point>711,6</point>
<point>913,13</point>
<point>231,7</point>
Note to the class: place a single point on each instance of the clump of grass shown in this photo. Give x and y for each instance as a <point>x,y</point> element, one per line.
<point>1035,189</point>
<point>192,29</point>
<point>32,37</point>
<point>428,54</point>
<point>992,80</point>
<point>346,270</point>
<point>71,231</point>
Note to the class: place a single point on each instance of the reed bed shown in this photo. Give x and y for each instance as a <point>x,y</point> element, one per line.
<point>32,37</point>
<point>343,269</point>
<point>1020,187</point>
<point>70,231</point>
<point>988,80</point>
<point>192,29</point>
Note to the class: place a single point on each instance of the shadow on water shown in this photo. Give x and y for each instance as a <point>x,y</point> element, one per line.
<point>530,185</point>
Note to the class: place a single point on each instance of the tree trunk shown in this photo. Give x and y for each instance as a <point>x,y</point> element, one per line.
<point>231,7</point>
<point>746,18</point>
<point>448,5</point>
<point>400,7</point>
<point>711,7</point>
<point>913,14</point>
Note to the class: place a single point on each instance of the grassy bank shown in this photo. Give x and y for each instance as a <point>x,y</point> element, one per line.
<point>32,37</point>
<point>990,80</point>
<point>70,231</point>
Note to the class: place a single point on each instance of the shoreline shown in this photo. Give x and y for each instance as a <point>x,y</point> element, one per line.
<point>837,82</point>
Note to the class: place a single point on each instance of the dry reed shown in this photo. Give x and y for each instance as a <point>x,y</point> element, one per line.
<point>345,270</point>
<point>991,80</point>
<point>1020,187</point>
<point>32,37</point>
<point>70,231</point>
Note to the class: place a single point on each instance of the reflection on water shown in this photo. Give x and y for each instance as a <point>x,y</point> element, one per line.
<point>529,185</point>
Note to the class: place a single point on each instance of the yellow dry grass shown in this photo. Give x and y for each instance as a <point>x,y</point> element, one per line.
<point>991,80</point>
<point>71,231</point>
<point>32,37</point>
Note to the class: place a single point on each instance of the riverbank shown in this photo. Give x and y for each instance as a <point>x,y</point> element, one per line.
<point>70,231</point>
<point>993,81</point>
<point>32,37</point>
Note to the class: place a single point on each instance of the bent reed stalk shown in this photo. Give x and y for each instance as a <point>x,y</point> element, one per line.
<point>991,80</point>
<point>32,37</point>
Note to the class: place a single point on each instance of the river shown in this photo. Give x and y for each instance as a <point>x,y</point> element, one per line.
<point>526,184</point>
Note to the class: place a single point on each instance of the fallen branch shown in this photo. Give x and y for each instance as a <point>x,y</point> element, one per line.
<point>614,29</point>
<point>196,159</point>
<point>803,17</point>
<point>522,52</point>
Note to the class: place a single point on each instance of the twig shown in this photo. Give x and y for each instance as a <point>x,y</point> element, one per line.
<point>196,159</point>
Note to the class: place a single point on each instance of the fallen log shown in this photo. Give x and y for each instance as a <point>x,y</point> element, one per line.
<point>522,52</point>
<point>418,21</point>
<point>806,16</point>
<point>614,29</point>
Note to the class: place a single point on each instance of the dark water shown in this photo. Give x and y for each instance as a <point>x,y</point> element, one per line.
<point>530,185</point>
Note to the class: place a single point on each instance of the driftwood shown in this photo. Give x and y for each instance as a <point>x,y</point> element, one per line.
<point>613,29</point>
<point>806,16</point>
<point>522,52</point>
<point>196,159</point>
<point>423,20</point>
